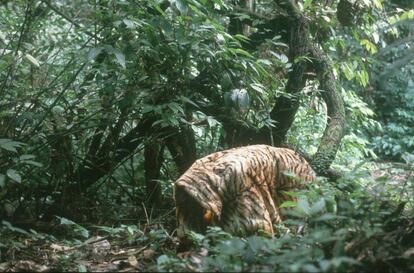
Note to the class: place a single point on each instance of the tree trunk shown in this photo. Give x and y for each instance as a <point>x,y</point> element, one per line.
<point>153,156</point>
<point>182,148</point>
<point>286,107</point>
<point>335,128</point>
<point>90,171</point>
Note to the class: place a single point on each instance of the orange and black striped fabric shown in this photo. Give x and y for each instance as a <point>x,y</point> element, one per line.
<point>239,189</point>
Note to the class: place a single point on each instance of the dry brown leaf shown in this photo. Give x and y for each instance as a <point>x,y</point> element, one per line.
<point>27,265</point>
<point>94,239</point>
<point>57,247</point>
<point>148,254</point>
<point>101,246</point>
<point>133,261</point>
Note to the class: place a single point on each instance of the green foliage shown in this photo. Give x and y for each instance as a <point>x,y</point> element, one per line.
<point>310,123</point>
<point>367,50</point>
<point>11,239</point>
<point>396,136</point>
<point>75,88</point>
<point>79,81</point>
<point>76,228</point>
<point>346,226</point>
<point>342,227</point>
<point>363,55</point>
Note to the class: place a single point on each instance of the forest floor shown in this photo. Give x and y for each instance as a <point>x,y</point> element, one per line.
<point>125,248</point>
<point>94,249</point>
<point>97,254</point>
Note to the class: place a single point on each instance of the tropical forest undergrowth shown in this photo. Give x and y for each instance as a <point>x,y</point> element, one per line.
<point>334,227</point>
<point>105,103</point>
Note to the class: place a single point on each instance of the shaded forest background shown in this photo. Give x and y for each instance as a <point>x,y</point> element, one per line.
<point>104,103</point>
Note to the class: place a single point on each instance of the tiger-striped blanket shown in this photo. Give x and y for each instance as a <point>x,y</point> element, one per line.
<point>239,189</point>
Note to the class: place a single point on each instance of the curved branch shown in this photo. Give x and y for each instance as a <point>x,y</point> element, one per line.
<point>334,130</point>
<point>296,27</point>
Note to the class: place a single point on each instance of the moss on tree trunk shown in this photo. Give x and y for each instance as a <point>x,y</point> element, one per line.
<point>334,131</point>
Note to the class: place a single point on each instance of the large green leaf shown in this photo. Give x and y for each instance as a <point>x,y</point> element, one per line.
<point>14,175</point>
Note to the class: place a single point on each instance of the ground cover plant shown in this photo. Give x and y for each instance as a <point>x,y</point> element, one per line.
<point>105,103</point>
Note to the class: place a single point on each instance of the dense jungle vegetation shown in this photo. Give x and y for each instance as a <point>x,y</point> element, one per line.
<point>105,103</point>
